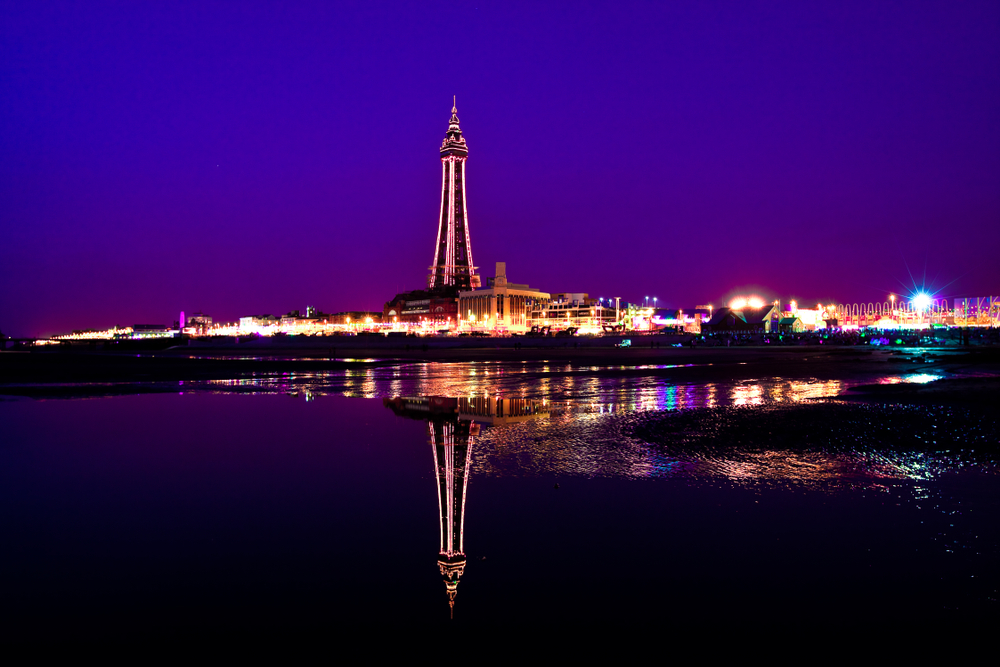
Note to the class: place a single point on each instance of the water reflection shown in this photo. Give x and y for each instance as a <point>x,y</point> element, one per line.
<point>451,427</point>
<point>810,445</point>
<point>613,389</point>
<point>906,493</point>
<point>917,378</point>
<point>760,439</point>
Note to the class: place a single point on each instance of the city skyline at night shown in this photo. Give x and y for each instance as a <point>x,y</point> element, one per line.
<point>253,159</point>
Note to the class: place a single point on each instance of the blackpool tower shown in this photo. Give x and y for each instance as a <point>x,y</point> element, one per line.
<point>452,444</point>
<point>453,269</point>
<point>451,438</point>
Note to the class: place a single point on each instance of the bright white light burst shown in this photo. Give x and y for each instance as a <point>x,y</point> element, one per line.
<point>921,301</point>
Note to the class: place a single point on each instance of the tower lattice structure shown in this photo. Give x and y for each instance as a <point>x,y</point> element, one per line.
<point>452,444</point>
<point>453,269</point>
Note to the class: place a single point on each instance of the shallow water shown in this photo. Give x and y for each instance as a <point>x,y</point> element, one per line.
<point>628,387</point>
<point>294,502</point>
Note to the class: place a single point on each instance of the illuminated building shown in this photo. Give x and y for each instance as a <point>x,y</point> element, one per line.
<point>743,320</point>
<point>809,319</point>
<point>91,334</point>
<point>978,311</point>
<point>495,411</point>
<point>152,331</point>
<point>501,306</point>
<point>293,322</point>
<point>573,310</point>
<point>452,268</point>
<point>421,306</point>
<point>679,319</point>
<point>262,324</point>
<point>921,311</point>
<point>198,324</point>
<point>354,318</point>
<point>791,324</point>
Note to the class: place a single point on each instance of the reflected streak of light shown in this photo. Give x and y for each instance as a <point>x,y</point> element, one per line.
<point>917,378</point>
<point>537,381</point>
<point>747,395</point>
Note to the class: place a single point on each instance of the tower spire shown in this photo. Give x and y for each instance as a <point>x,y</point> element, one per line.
<point>452,442</point>
<point>453,270</point>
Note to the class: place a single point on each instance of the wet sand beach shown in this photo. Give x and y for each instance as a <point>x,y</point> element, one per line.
<point>802,482</point>
<point>967,375</point>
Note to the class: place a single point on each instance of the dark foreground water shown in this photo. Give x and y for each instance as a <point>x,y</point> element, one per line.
<point>588,501</point>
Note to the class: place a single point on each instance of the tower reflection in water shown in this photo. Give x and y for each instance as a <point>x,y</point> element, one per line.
<point>452,423</point>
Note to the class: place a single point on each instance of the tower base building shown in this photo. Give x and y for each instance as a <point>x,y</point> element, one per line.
<point>501,307</point>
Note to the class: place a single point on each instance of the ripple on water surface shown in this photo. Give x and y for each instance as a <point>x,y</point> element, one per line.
<point>813,444</point>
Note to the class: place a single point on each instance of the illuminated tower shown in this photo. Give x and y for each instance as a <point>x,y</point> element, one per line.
<point>451,427</point>
<point>452,456</point>
<point>453,269</point>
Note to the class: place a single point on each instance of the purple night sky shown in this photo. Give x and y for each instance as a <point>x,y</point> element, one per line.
<point>242,158</point>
